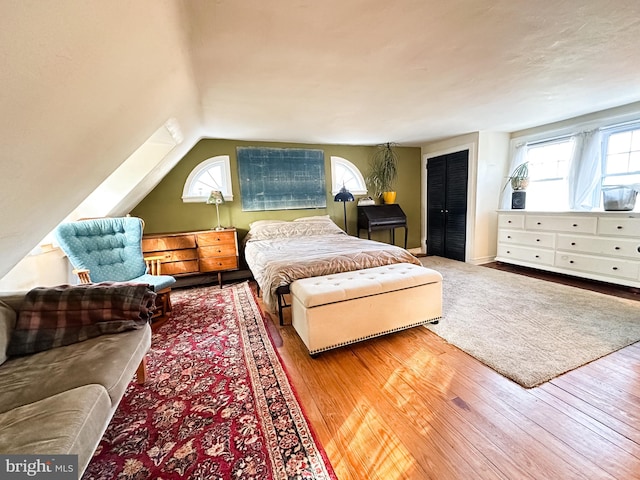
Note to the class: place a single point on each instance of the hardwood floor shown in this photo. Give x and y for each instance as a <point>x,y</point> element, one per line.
<point>411,406</point>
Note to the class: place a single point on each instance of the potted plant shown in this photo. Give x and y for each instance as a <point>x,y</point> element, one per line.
<point>383,172</point>
<point>519,180</point>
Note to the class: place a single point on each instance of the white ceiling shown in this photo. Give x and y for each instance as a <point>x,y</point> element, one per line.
<point>367,71</point>
<point>85,83</point>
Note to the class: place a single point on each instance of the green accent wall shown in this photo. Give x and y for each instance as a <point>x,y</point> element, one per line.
<point>164,211</point>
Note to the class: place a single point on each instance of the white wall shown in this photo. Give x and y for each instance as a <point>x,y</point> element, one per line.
<point>493,163</point>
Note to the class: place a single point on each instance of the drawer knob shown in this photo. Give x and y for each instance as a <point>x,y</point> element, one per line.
<point>570,261</point>
<point>508,221</point>
<point>538,223</point>
<point>619,227</point>
<point>508,251</point>
<point>615,268</point>
<point>575,224</point>
<point>508,236</point>
<point>537,239</point>
<point>617,248</point>
<point>537,256</point>
<point>573,244</point>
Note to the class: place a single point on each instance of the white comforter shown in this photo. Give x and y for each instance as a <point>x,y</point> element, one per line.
<point>278,261</point>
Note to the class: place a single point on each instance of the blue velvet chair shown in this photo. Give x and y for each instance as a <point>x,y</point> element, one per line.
<point>110,250</point>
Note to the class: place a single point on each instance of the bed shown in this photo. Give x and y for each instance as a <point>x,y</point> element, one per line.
<point>280,252</point>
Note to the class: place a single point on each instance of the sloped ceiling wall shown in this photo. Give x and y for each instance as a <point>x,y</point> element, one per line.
<point>84,84</point>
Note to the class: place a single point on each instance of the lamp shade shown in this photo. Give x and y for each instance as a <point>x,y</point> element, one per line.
<point>343,195</point>
<point>215,197</point>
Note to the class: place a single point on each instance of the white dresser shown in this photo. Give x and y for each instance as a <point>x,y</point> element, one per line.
<point>601,246</point>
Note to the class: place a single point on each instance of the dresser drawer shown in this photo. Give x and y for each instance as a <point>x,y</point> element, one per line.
<point>619,226</point>
<point>222,250</point>
<point>531,239</point>
<point>215,264</point>
<point>180,255</point>
<point>508,220</point>
<point>216,238</point>
<point>610,267</point>
<point>180,267</point>
<point>525,254</point>
<point>618,247</point>
<point>562,223</point>
<point>169,242</point>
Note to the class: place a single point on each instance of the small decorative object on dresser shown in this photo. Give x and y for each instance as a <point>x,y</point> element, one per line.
<point>519,180</point>
<point>216,199</point>
<point>619,198</point>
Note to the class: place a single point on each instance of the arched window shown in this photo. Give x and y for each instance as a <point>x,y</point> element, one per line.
<point>343,172</point>
<point>212,174</point>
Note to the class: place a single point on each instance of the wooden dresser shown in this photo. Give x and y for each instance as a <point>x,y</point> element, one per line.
<point>195,253</point>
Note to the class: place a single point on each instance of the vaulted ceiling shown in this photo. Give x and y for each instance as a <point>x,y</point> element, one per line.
<point>85,83</point>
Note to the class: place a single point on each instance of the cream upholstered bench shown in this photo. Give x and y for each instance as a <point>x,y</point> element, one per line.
<point>335,310</point>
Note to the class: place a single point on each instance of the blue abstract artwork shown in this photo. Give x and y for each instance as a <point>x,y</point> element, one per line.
<point>281,178</point>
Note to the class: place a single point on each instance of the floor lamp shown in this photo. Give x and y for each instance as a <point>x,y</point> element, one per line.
<point>344,196</point>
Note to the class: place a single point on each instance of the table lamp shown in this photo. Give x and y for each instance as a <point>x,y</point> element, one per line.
<point>216,199</point>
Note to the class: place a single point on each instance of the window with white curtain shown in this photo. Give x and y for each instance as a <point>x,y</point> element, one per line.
<point>212,174</point>
<point>344,173</point>
<point>548,173</point>
<point>568,172</point>
<point>621,156</point>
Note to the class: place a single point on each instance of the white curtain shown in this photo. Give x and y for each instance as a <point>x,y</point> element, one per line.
<point>585,171</point>
<point>518,158</point>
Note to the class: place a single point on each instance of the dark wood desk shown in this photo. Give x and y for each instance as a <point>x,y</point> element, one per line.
<point>382,217</point>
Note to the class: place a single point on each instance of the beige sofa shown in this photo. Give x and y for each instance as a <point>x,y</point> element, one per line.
<point>60,401</point>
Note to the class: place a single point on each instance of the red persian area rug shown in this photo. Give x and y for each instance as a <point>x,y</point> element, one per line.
<point>217,403</point>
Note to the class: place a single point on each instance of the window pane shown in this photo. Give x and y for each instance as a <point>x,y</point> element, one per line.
<point>549,160</point>
<point>211,174</point>
<point>210,179</point>
<point>343,172</point>
<point>550,195</point>
<point>548,169</point>
<point>634,162</point>
<point>617,163</point>
<point>619,143</point>
<point>635,140</point>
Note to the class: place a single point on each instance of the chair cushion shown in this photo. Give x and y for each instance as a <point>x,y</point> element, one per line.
<point>110,248</point>
<point>158,282</point>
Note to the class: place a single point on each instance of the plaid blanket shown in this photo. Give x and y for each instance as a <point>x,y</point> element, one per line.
<point>55,316</point>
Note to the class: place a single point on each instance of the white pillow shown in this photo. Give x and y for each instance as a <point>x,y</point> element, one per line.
<point>260,223</point>
<point>292,229</point>
<point>315,218</point>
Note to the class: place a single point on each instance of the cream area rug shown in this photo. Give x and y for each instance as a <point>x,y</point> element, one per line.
<point>526,329</point>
